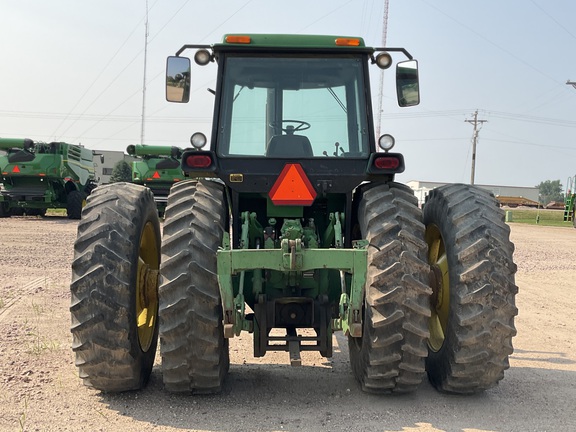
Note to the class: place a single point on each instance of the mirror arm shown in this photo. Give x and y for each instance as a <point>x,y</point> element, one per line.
<point>402,50</point>
<point>185,47</point>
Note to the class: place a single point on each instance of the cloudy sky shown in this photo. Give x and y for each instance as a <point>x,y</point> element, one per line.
<point>73,71</point>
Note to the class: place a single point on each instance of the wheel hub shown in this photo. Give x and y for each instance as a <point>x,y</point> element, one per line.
<point>435,282</point>
<point>148,281</point>
<point>439,280</point>
<point>146,298</point>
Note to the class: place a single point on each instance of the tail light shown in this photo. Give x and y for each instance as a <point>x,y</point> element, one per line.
<point>198,161</point>
<point>386,162</point>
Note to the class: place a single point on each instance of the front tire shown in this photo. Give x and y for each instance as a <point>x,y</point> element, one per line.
<point>195,356</point>
<point>115,288</point>
<point>473,306</point>
<point>389,356</point>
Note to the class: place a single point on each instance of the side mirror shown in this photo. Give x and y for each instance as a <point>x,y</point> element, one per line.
<point>178,79</point>
<point>407,87</point>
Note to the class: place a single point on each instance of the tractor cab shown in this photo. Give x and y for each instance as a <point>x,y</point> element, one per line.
<point>296,100</point>
<point>276,102</point>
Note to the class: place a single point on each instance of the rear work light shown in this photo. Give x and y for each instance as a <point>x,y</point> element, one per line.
<point>386,162</point>
<point>198,161</point>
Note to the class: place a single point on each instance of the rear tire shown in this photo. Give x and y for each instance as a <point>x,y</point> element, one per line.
<point>17,211</point>
<point>473,306</point>
<point>194,351</point>
<point>36,212</point>
<point>4,210</point>
<point>115,288</point>
<point>390,355</point>
<point>75,202</point>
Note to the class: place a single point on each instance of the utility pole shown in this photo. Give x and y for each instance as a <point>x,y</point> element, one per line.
<point>475,122</point>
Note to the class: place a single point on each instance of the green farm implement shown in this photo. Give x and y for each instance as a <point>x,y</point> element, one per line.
<point>158,168</point>
<point>37,176</point>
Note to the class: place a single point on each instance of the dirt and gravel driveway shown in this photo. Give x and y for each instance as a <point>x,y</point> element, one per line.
<point>40,389</point>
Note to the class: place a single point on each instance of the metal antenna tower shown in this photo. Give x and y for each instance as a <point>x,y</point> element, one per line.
<point>144,81</point>
<point>381,86</point>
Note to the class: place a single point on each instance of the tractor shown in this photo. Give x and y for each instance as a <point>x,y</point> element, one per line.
<point>570,201</point>
<point>158,168</point>
<point>290,226</point>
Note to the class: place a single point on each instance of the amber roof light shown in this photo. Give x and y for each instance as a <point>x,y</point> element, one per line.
<point>347,42</point>
<point>238,39</point>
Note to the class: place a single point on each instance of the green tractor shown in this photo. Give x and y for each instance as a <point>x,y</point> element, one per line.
<point>570,201</point>
<point>290,227</point>
<point>158,168</point>
<point>37,176</point>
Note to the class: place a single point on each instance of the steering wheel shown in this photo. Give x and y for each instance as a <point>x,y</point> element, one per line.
<point>300,126</point>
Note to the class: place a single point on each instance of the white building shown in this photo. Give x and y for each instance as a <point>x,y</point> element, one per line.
<point>421,189</point>
<point>111,158</point>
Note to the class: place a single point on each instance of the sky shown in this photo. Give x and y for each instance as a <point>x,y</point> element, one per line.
<point>73,71</point>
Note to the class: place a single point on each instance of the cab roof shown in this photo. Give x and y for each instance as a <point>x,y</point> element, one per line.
<point>291,42</point>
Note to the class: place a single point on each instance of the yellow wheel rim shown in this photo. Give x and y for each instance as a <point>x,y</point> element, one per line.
<point>440,301</point>
<point>147,287</point>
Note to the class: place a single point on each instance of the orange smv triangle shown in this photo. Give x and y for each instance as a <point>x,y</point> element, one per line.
<point>156,175</point>
<point>15,169</point>
<point>292,187</point>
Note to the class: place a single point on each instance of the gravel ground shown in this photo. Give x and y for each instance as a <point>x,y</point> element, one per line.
<point>40,389</point>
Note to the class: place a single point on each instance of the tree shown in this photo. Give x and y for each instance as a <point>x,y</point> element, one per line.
<point>122,172</point>
<point>550,190</point>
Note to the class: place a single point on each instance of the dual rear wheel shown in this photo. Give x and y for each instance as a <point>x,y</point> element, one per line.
<point>445,306</point>
<point>439,297</point>
<point>117,312</point>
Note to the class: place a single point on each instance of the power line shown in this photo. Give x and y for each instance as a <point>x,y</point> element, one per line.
<point>553,19</point>
<point>501,48</point>
<point>497,114</point>
<point>475,122</point>
<point>324,16</point>
<point>126,67</point>
<point>81,98</point>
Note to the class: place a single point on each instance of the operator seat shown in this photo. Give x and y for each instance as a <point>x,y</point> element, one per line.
<point>289,145</point>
